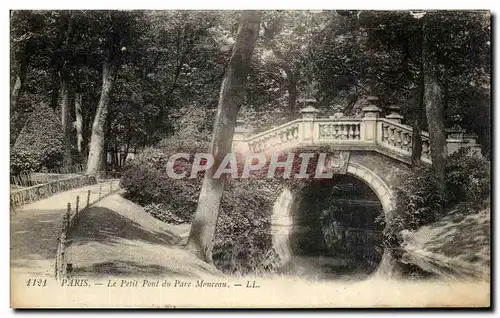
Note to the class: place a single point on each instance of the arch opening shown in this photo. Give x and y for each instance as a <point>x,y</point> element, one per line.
<point>333,229</point>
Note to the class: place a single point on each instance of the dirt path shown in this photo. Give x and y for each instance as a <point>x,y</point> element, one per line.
<point>35,227</point>
<point>117,238</point>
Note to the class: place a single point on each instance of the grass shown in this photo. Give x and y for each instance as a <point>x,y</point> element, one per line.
<point>458,245</point>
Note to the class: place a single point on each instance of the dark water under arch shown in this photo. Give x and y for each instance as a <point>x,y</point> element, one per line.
<point>335,232</point>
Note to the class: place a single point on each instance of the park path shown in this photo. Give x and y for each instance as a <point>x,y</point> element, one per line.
<point>117,238</point>
<point>35,228</point>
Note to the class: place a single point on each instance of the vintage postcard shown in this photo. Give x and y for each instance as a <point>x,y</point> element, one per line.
<point>250,159</point>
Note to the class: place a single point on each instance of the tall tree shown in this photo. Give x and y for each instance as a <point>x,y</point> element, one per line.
<point>117,30</point>
<point>231,97</point>
<point>79,122</point>
<point>65,61</point>
<point>434,109</point>
<point>419,106</point>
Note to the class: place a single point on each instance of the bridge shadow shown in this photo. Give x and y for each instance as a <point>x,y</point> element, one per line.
<point>127,269</point>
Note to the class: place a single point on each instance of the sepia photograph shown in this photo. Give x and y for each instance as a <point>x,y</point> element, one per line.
<point>250,158</point>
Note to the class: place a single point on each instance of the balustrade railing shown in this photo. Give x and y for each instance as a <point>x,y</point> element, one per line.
<point>386,135</point>
<point>398,137</point>
<point>339,130</point>
<point>275,137</point>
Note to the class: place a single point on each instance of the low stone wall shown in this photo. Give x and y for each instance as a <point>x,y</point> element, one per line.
<point>41,191</point>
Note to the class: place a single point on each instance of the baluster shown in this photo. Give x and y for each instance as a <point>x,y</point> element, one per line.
<point>353,132</point>
<point>398,139</point>
<point>282,136</point>
<point>410,141</point>
<point>405,141</point>
<point>328,131</point>
<point>384,132</point>
<point>274,140</point>
<point>347,131</point>
<point>391,136</point>
<point>335,131</point>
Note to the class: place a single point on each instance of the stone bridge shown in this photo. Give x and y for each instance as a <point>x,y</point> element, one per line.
<point>371,148</point>
<point>376,148</point>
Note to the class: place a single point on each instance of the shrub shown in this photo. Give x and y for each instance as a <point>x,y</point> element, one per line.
<point>243,242</point>
<point>418,203</point>
<point>40,142</point>
<point>467,178</point>
<point>145,179</point>
<point>145,185</point>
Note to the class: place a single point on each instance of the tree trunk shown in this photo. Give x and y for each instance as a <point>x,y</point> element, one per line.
<point>19,83</point>
<point>435,115</point>
<point>416,153</point>
<point>66,118</point>
<point>292,92</point>
<point>437,135</point>
<point>96,147</point>
<point>202,232</point>
<point>416,141</point>
<point>79,123</point>
<point>446,90</point>
<point>14,97</point>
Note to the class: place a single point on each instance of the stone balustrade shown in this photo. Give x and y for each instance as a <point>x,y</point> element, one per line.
<point>286,134</point>
<point>387,135</point>
<point>398,137</point>
<point>339,130</point>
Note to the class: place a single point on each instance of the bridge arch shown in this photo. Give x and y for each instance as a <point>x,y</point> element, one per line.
<point>377,184</point>
<point>283,221</point>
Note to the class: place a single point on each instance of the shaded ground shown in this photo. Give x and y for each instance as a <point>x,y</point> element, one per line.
<point>117,238</point>
<point>326,268</point>
<point>35,228</point>
<point>457,246</point>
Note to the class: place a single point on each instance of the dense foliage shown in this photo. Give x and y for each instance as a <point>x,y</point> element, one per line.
<point>242,242</point>
<point>173,61</point>
<point>39,145</point>
<point>418,202</point>
<point>468,178</point>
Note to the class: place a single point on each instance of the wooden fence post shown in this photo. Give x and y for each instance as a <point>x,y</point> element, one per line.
<point>111,186</point>
<point>77,203</point>
<point>88,198</point>
<point>68,217</point>
<point>62,265</point>
<point>100,189</point>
